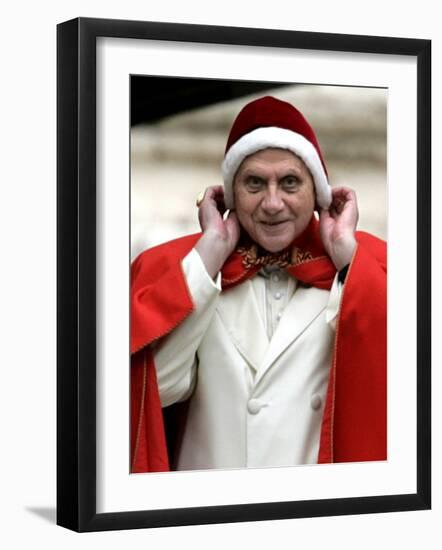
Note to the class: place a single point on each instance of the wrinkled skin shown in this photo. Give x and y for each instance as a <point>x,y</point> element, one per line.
<point>274,202</point>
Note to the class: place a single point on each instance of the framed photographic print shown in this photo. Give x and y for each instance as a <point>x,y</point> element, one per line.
<point>145,111</point>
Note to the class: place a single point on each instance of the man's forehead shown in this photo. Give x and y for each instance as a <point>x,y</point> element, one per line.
<point>272,158</point>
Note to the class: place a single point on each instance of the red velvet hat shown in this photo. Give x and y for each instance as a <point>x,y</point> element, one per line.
<point>269,122</point>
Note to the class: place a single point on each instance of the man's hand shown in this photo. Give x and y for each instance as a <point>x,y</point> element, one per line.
<point>219,236</point>
<point>337,226</point>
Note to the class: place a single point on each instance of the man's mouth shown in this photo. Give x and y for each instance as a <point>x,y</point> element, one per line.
<point>273,223</point>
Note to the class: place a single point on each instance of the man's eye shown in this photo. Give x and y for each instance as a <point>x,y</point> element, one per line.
<point>254,184</point>
<point>290,182</point>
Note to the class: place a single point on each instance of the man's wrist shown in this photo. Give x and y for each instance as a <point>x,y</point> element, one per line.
<point>343,253</point>
<point>213,252</point>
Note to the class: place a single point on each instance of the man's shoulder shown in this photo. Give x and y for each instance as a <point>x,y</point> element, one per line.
<point>369,239</point>
<point>373,244</point>
<point>173,247</point>
<point>160,256</point>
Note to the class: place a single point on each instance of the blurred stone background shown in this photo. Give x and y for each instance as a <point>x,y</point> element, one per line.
<point>172,160</point>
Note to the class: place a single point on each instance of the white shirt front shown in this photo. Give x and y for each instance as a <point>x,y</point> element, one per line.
<point>255,360</point>
<point>274,289</point>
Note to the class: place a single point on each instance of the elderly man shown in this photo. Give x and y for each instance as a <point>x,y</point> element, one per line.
<point>270,325</point>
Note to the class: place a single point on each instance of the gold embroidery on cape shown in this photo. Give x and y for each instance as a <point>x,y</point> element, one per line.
<point>253,257</point>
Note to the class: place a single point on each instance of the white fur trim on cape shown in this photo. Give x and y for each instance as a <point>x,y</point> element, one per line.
<point>280,138</point>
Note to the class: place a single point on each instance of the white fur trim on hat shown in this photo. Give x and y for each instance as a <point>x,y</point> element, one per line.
<point>279,138</point>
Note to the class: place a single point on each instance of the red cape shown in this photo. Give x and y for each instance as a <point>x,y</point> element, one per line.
<point>354,425</point>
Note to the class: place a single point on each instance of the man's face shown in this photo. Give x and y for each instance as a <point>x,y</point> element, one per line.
<point>274,197</point>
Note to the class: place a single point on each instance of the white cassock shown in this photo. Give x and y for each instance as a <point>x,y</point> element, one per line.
<point>255,362</point>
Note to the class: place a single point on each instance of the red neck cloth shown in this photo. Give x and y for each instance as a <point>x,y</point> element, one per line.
<point>305,259</point>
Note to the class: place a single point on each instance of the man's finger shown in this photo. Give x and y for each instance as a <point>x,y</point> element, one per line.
<point>325,215</point>
<point>343,193</point>
<point>214,192</point>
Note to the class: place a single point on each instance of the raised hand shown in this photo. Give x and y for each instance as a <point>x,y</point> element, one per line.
<point>220,236</point>
<point>337,226</point>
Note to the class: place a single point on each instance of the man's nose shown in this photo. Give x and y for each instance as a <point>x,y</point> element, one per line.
<point>272,202</point>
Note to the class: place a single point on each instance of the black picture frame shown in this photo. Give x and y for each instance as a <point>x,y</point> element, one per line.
<point>76,273</point>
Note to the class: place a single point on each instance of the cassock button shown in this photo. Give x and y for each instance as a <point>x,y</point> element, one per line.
<point>316,402</point>
<point>254,406</point>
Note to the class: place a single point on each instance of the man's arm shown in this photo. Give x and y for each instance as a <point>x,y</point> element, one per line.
<point>175,354</point>
<point>358,382</point>
<point>160,297</point>
<point>219,235</point>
